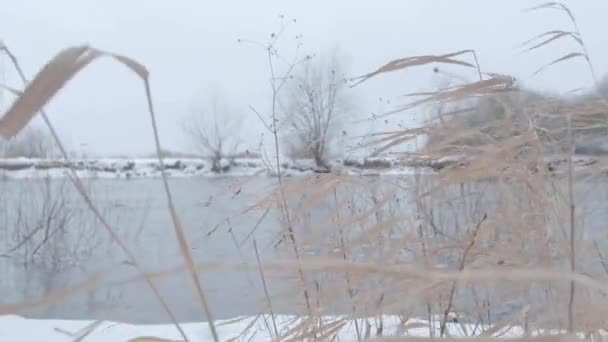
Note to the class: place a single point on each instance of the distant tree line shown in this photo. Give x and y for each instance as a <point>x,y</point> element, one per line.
<point>30,143</point>
<point>313,105</point>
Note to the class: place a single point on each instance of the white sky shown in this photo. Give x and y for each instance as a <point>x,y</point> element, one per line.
<point>189,45</point>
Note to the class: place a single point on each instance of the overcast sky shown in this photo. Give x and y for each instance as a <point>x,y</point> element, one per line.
<point>191,45</point>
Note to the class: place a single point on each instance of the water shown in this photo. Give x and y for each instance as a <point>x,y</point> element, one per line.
<point>137,209</point>
<point>219,229</point>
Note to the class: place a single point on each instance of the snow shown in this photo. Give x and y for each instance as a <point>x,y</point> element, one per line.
<point>23,168</point>
<point>115,168</point>
<point>17,328</point>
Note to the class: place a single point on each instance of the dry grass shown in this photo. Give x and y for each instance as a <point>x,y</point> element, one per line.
<point>495,242</point>
<point>40,90</point>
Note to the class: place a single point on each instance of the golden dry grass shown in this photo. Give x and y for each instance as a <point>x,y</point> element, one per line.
<point>498,228</point>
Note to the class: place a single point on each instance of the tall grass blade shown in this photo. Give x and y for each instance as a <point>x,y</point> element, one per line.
<point>409,62</point>
<point>561,59</point>
<point>550,33</point>
<point>557,35</point>
<point>554,5</point>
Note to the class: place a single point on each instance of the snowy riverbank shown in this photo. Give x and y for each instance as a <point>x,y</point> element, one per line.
<point>24,168</point>
<point>28,168</point>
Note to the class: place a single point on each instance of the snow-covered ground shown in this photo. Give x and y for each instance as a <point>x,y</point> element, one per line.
<point>28,168</point>
<point>24,168</point>
<point>16,328</point>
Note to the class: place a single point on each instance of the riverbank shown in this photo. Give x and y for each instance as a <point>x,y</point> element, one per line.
<point>24,168</point>
<point>122,168</point>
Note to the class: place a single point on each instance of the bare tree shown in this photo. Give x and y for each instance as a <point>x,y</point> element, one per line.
<point>215,133</point>
<point>314,104</point>
<point>30,143</point>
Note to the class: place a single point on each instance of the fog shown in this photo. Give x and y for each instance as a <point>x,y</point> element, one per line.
<point>191,46</point>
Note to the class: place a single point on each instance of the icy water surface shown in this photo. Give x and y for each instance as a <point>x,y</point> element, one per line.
<point>219,228</point>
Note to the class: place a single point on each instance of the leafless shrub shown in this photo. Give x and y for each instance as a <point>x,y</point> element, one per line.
<point>30,143</point>
<point>280,72</point>
<point>215,132</point>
